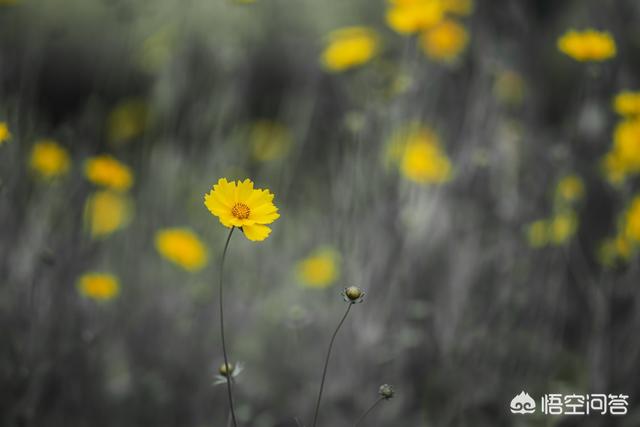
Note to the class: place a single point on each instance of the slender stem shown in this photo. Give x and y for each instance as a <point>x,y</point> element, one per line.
<point>326,363</point>
<point>224,346</point>
<point>380,399</point>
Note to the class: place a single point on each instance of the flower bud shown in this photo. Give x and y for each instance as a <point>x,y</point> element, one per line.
<point>386,391</point>
<point>353,294</point>
<point>225,369</point>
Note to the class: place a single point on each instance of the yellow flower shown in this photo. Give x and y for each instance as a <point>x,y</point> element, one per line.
<point>445,41</point>
<point>108,172</point>
<point>419,156</point>
<point>587,45</point>
<point>127,120</point>
<point>562,227</point>
<point>99,286</point>
<point>238,204</point>
<point>412,16</point>
<point>538,233</point>
<point>269,140</point>
<point>182,247</point>
<point>349,47</point>
<point>627,103</point>
<point>49,159</point>
<point>570,188</point>
<point>106,212</point>
<point>458,7</point>
<point>320,269</point>
<point>614,249</point>
<point>624,157</point>
<point>632,221</point>
<point>5,135</point>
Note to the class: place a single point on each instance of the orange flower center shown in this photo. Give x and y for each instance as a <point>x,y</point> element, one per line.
<point>240,211</point>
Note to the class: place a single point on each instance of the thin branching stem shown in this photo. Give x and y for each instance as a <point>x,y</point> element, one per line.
<point>362,417</point>
<point>326,363</point>
<point>224,346</point>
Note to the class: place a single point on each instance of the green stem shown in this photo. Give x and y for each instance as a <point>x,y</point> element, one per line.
<point>326,363</point>
<point>224,346</point>
<point>380,399</point>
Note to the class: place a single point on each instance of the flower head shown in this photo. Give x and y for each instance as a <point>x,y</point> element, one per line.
<point>48,159</point>
<point>320,269</point>
<point>127,120</point>
<point>105,212</point>
<point>108,172</point>
<point>445,41</point>
<point>570,189</point>
<point>538,233</point>
<point>386,391</point>
<point>632,221</point>
<point>182,247</point>
<point>412,16</point>
<point>349,47</point>
<point>624,157</point>
<point>353,295</point>
<point>627,103</point>
<point>238,204</point>
<point>562,227</point>
<point>99,286</point>
<point>5,135</point>
<point>228,370</point>
<point>587,45</point>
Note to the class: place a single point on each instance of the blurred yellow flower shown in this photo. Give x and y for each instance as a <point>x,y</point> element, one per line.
<point>320,269</point>
<point>419,156</point>
<point>127,120</point>
<point>269,140</point>
<point>106,212</point>
<point>108,172</point>
<point>627,103</point>
<point>570,188</point>
<point>632,221</point>
<point>587,45</point>
<point>458,7</point>
<point>624,157</point>
<point>445,41</point>
<point>182,247</point>
<point>538,233</point>
<point>99,286</point>
<point>412,16</point>
<point>48,159</point>
<point>349,47</point>
<point>238,204</point>
<point>613,250</point>
<point>562,227</point>
<point>5,135</point>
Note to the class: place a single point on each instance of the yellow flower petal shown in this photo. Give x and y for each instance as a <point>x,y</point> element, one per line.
<point>256,232</point>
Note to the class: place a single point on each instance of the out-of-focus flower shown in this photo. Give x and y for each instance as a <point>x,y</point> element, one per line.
<point>48,159</point>
<point>538,233</point>
<point>458,7</point>
<point>238,204</point>
<point>108,172</point>
<point>349,47</point>
<point>386,391</point>
<point>562,226</point>
<point>624,157</point>
<point>509,87</point>
<point>320,269</point>
<point>445,41</point>
<point>269,140</point>
<point>570,189</point>
<point>614,250</point>
<point>106,212</point>
<point>587,45</point>
<point>182,247</point>
<point>157,49</point>
<point>632,221</point>
<point>627,103</point>
<point>99,286</point>
<point>419,156</point>
<point>5,135</point>
<point>127,120</point>
<point>412,16</point>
